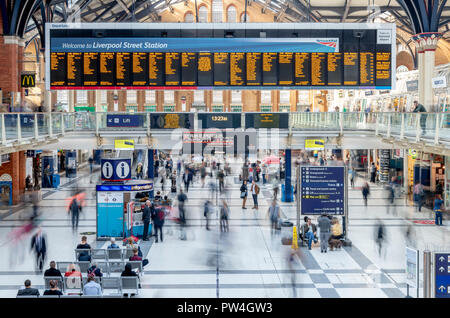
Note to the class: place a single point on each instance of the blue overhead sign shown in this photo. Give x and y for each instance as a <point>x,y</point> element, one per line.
<point>442,275</point>
<point>123,120</point>
<point>116,169</point>
<point>322,190</point>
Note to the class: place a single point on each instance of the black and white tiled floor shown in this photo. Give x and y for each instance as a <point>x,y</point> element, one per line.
<point>246,262</point>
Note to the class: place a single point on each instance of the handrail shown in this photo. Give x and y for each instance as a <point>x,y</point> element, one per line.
<point>21,127</point>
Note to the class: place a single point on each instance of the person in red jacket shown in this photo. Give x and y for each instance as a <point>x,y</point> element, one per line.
<point>136,257</point>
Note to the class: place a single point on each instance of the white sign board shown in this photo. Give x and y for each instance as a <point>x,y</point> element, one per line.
<point>439,82</point>
<point>412,267</point>
<point>384,36</point>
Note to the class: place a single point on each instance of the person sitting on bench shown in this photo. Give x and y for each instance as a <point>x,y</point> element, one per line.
<point>336,229</point>
<point>309,231</point>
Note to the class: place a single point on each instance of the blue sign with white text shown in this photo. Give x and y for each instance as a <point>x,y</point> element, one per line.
<point>442,275</point>
<point>322,190</point>
<point>123,120</point>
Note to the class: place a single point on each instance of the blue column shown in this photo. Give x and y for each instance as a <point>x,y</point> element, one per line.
<point>287,195</point>
<point>151,163</point>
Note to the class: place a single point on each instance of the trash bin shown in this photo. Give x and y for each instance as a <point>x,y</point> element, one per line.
<point>55,181</point>
<point>286,232</point>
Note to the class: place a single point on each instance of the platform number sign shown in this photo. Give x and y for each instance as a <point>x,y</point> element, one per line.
<point>116,169</point>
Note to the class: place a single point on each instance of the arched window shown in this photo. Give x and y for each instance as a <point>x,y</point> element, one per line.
<point>231,14</point>
<point>243,15</point>
<point>189,17</point>
<point>217,10</point>
<point>203,14</point>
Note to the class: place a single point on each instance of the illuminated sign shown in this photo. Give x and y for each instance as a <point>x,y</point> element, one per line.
<point>28,80</point>
<point>314,144</point>
<point>123,144</point>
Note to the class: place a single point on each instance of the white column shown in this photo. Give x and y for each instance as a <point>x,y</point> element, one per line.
<point>71,94</point>
<point>98,101</point>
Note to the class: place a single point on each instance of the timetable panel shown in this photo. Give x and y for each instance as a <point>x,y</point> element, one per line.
<point>286,68</point>
<point>318,69</point>
<point>140,69</point>
<point>237,69</point>
<point>302,69</point>
<point>351,68</point>
<point>90,69</point>
<point>270,68</point>
<point>58,67</point>
<point>188,69</point>
<point>74,67</point>
<point>221,69</point>
<point>107,65</point>
<point>254,69</point>
<point>205,69</point>
<point>172,69</point>
<point>123,69</point>
<point>155,69</point>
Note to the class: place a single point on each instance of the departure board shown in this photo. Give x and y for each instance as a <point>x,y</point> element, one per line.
<point>136,56</point>
<point>205,69</point>
<point>253,68</point>
<point>74,67</point>
<point>123,69</point>
<point>270,68</point>
<point>383,68</point>
<point>237,69</point>
<point>221,69</point>
<point>318,69</point>
<point>107,64</point>
<point>366,68</point>
<point>58,66</point>
<point>189,69</point>
<point>90,69</point>
<point>334,69</point>
<point>302,69</point>
<point>155,69</point>
<point>351,68</point>
<point>286,68</point>
<point>172,69</point>
<point>140,69</point>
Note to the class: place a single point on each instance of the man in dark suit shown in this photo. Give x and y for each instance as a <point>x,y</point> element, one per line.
<point>28,291</point>
<point>147,213</point>
<point>40,249</point>
<point>52,271</point>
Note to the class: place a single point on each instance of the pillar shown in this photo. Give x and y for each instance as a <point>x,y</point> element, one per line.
<point>15,174</point>
<point>426,44</point>
<point>10,68</point>
<point>71,96</point>
<point>98,101</point>
<point>287,195</point>
<point>151,163</point>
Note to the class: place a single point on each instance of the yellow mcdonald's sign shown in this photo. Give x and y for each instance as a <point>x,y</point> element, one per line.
<point>124,144</point>
<point>28,80</point>
<point>314,144</point>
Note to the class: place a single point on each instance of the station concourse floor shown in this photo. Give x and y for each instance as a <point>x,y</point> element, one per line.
<point>253,262</point>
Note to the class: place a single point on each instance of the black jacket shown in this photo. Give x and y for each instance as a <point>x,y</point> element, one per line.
<point>39,248</point>
<point>147,213</point>
<point>52,272</point>
<point>28,292</point>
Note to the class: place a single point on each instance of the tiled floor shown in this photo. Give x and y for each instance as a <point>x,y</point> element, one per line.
<point>251,261</point>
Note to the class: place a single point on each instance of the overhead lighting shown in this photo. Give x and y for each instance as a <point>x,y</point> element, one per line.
<point>229,34</point>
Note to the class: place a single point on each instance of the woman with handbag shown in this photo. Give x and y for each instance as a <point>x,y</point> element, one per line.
<point>244,192</point>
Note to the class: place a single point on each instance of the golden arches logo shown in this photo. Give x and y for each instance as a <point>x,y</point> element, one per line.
<point>28,80</point>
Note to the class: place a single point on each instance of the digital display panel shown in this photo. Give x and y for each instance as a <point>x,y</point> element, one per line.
<point>172,121</point>
<point>205,69</point>
<point>74,67</point>
<point>123,69</point>
<point>220,120</point>
<point>58,66</point>
<point>90,69</point>
<point>189,69</point>
<point>140,69</point>
<point>266,120</point>
<point>107,65</point>
<point>359,56</point>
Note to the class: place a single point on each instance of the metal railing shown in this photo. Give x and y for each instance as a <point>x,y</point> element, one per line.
<point>17,127</point>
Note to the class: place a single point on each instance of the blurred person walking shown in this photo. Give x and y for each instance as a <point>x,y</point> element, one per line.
<point>159,223</point>
<point>207,212</point>
<point>438,202</point>
<point>373,172</point>
<point>380,236</point>
<point>419,195</point>
<point>365,192</point>
<point>224,215</point>
<point>147,214</point>
<point>274,215</point>
<point>39,247</point>
<point>74,209</point>
<point>182,198</point>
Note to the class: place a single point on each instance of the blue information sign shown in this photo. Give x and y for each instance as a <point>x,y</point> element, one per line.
<point>123,120</point>
<point>116,169</point>
<point>442,275</point>
<point>322,190</point>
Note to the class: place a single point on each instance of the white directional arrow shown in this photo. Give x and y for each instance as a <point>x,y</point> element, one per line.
<point>441,269</point>
<point>442,288</point>
<point>442,258</point>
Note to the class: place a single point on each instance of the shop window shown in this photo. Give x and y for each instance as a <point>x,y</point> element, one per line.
<point>217,10</point>
<point>131,97</point>
<point>231,14</point>
<point>5,158</point>
<point>203,14</point>
<point>285,108</point>
<point>199,97</point>
<point>150,97</point>
<point>82,97</point>
<point>169,97</point>
<point>236,97</point>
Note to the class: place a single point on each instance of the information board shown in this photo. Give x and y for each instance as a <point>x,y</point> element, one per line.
<point>113,120</point>
<point>266,120</point>
<point>129,56</point>
<point>322,190</point>
<point>442,275</point>
<point>172,121</point>
<point>412,267</point>
<point>220,120</point>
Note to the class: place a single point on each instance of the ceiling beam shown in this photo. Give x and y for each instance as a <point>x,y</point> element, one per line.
<point>347,7</point>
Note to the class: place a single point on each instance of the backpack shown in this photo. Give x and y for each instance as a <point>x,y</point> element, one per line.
<point>161,215</point>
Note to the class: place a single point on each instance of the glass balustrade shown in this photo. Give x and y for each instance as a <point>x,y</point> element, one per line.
<point>11,126</point>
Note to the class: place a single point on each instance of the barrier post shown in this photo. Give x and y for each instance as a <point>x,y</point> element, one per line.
<point>427,273</point>
<point>19,129</point>
<point>36,127</point>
